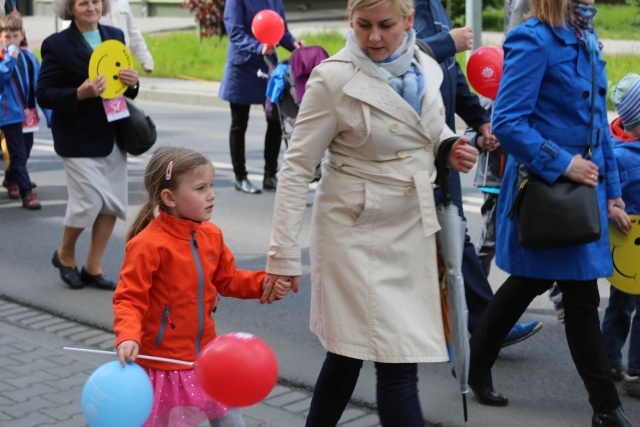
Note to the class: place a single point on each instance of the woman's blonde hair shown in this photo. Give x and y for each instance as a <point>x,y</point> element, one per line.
<point>405,6</point>
<point>64,8</point>
<point>553,12</point>
<point>163,172</point>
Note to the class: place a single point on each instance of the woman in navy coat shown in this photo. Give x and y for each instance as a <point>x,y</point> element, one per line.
<point>245,83</point>
<point>95,167</point>
<point>541,118</point>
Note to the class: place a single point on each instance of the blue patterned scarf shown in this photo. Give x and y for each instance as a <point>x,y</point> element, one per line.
<point>581,22</point>
<point>401,70</point>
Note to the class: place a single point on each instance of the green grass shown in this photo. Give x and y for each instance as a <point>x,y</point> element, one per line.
<point>618,22</point>
<point>180,54</point>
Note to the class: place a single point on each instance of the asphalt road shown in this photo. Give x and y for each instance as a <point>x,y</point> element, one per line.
<point>537,375</point>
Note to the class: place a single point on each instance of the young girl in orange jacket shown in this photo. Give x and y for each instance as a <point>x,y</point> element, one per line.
<point>175,265</point>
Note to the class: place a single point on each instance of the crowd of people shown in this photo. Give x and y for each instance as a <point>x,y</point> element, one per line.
<point>379,117</point>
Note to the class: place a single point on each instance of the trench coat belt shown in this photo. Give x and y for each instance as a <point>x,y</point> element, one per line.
<point>420,180</point>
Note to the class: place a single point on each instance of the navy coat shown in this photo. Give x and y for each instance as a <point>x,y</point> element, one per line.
<point>240,82</point>
<point>433,25</point>
<point>79,128</point>
<point>541,117</point>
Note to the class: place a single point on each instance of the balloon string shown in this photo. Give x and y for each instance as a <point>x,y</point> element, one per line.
<point>141,356</point>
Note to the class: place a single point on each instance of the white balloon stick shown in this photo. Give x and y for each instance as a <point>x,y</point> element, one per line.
<point>141,356</point>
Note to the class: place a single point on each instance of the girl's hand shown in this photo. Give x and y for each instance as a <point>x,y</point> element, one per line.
<point>462,156</point>
<point>92,89</point>
<point>277,287</point>
<point>127,351</point>
<point>129,77</point>
<point>617,215</point>
<point>298,44</point>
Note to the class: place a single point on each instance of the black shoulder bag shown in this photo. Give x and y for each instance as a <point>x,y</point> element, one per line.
<point>564,213</point>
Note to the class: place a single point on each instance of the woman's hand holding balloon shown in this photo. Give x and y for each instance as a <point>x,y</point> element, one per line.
<point>462,156</point>
<point>128,351</point>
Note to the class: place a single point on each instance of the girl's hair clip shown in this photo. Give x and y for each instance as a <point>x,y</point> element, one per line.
<point>169,171</point>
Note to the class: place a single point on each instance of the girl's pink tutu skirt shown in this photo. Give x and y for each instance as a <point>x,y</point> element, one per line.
<point>179,401</point>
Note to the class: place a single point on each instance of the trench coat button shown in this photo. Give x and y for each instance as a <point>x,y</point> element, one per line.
<point>585,94</point>
<point>429,146</point>
<point>442,110</point>
<point>602,92</point>
<point>401,154</point>
<point>408,191</point>
<point>394,127</point>
<point>272,253</point>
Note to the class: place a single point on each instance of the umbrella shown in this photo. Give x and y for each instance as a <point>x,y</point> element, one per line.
<point>451,243</point>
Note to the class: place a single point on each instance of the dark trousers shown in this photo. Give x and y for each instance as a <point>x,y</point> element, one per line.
<point>272,142</point>
<point>477,289</point>
<point>19,146</point>
<point>396,392</point>
<point>582,328</point>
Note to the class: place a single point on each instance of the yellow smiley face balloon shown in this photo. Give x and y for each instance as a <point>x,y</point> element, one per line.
<point>107,60</point>
<point>625,252</point>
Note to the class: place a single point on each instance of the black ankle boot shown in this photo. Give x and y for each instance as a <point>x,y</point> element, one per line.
<point>615,418</point>
<point>482,386</point>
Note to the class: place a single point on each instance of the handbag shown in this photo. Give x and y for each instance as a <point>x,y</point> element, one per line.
<point>135,134</point>
<point>564,213</point>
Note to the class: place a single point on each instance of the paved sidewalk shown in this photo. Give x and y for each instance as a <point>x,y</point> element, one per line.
<point>40,383</point>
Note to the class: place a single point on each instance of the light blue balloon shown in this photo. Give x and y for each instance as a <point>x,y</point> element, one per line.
<point>116,396</point>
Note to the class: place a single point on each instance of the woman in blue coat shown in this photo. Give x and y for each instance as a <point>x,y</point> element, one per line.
<point>541,118</point>
<point>245,83</point>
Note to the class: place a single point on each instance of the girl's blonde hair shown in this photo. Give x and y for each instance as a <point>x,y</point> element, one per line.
<point>405,6</point>
<point>553,12</point>
<point>64,8</point>
<point>163,172</point>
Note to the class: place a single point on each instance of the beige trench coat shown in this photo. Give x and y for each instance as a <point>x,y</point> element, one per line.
<point>374,277</point>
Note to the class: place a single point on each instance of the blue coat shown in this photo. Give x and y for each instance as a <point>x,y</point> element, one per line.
<point>541,118</point>
<point>240,82</point>
<point>79,128</point>
<point>11,104</point>
<point>628,157</point>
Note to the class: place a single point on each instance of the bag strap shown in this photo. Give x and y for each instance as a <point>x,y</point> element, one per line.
<point>587,153</point>
<point>424,46</point>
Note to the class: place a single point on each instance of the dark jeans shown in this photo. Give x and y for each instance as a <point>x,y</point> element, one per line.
<point>618,321</point>
<point>19,146</point>
<point>477,289</point>
<point>396,392</point>
<point>582,328</point>
<point>272,142</point>
<point>486,246</point>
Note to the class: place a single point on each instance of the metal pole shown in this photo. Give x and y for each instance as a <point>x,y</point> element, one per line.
<point>473,14</point>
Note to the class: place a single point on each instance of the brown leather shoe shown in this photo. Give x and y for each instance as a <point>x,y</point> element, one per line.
<point>12,188</point>
<point>30,202</point>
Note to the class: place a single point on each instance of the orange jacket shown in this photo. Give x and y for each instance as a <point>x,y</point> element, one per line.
<point>171,273</point>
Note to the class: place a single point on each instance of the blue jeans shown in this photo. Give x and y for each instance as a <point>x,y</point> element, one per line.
<point>19,146</point>
<point>616,326</point>
<point>396,392</point>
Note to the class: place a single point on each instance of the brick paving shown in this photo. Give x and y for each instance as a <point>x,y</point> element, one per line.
<point>40,383</point>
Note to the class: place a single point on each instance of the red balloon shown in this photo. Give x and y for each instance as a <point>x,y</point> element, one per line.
<point>484,70</point>
<point>268,27</point>
<point>237,369</point>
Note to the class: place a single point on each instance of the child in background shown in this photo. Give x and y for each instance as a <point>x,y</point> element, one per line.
<point>175,265</point>
<point>617,322</point>
<point>489,171</point>
<point>19,118</point>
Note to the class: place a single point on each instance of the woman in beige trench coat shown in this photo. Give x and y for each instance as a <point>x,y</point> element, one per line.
<point>374,271</point>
